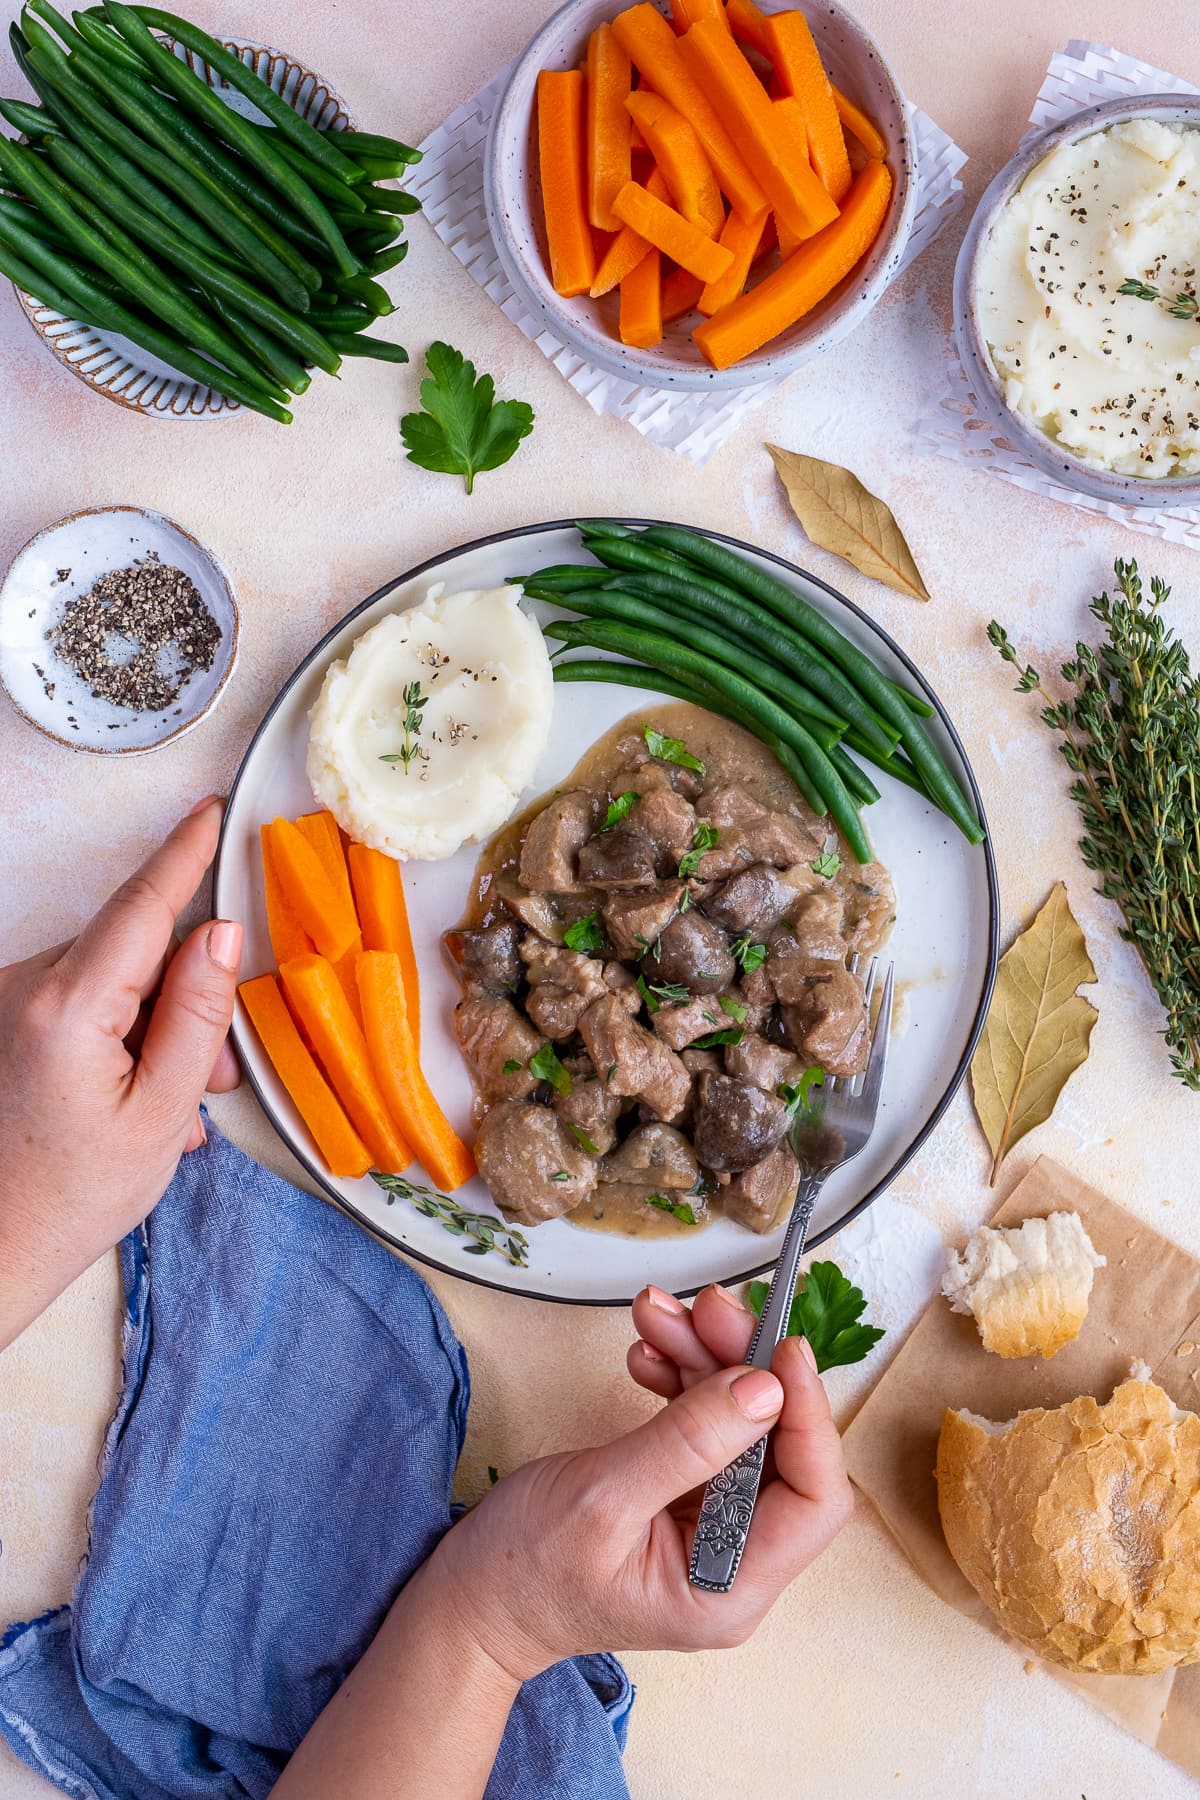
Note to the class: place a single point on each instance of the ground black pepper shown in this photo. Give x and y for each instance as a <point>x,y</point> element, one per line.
<point>138,635</point>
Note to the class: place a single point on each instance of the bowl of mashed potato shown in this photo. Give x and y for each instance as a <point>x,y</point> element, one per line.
<point>1077,316</point>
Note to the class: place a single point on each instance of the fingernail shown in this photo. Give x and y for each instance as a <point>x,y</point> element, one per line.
<point>757,1394</point>
<point>665,1302</point>
<point>208,800</point>
<point>650,1353</point>
<point>225,944</point>
<point>729,1297</point>
<point>806,1350</point>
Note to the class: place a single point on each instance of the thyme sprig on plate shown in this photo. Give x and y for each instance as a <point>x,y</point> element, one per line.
<point>485,1230</point>
<point>1130,726</point>
<point>415,703</point>
<point>1185,305</point>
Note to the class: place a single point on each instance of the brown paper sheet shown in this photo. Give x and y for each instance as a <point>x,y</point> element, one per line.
<point>1145,1307</point>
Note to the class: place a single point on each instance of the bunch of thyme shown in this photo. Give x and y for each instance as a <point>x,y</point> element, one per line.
<point>486,1231</point>
<point>1130,727</point>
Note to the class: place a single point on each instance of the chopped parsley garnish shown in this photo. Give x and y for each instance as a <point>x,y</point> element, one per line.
<point>713,1040</point>
<point>685,900</point>
<point>747,955</point>
<point>672,750</point>
<point>671,990</point>
<point>678,1209</point>
<point>585,934</point>
<point>560,1175</point>
<point>826,1311</point>
<point>733,1007</point>
<point>619,809</point>
<point>651,1004</point>
<point>584,1141</point>
<point>513,1067</point>
<point>647,948</point>
<point>610,1072</point>
<point>545,1065</point>
<point>705,839</point>
<point>827,864</point>
<point>796,1094</point>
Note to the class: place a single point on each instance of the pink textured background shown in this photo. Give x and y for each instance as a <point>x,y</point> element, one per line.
<point>861,1685</point>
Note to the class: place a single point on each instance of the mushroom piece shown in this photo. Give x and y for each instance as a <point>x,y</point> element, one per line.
<point>736,1124</point>
<point>696,953</point>
<point>532,1163</point>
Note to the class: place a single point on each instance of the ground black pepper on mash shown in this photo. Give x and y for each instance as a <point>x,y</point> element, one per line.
<point>138,635</point>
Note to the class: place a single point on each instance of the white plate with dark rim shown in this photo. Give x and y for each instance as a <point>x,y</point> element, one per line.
<point>944,945</point>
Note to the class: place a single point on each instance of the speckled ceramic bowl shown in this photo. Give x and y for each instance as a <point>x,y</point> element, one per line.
<point>65,560</point>
<point>110,364</point>
<point>587,326</point>
<point>1020,433</point>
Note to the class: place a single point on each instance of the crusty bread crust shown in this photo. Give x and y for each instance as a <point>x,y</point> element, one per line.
<point>1080,1527</point>
<point>1028,1285</point>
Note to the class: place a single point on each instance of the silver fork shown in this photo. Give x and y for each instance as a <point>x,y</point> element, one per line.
<point>824,1137</point>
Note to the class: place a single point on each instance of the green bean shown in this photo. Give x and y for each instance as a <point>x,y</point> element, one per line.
<point>34,121</point>
<point>369,242</point>
<point>856,779</point>
<point>341,318</point>
<point>381,168</point>
<point>19,212</point>
<point>100,36</point>
<point>677,659</point>
<point>565,577</point>
<point>199,98</point>
<point>389,200</point>
<point>896,765</point>
<point>941,785</point>
<point>318,178</point>
<point>214,277</point>
<point>64,286</point>
<point>386,259</point>
<point>233,70</point>
<point>914,702</point>
<point>66,31</point>
<point>43,63</point>
<point>275,357</point>
<point>349,345</point>
<point>352,142</point>
<point>377,300</point>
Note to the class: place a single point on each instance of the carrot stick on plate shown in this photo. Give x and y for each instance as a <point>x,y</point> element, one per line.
<point>383,912</point>
<point>609,132</point>
<point>679,154</point>
<point>315,996</point>
<point>323,912</point>
<point>563,169</point>
<point>393,1052</point>
<point>742,237</point>
<point>860,126</point>
<point>640,320</point>
<point>336,1139</point>
<point>321,830</point>
<point>801,73</point>
<point>748,24</point>
<point>671,233</point>
<point>627,249</point>
<point>288,936</point>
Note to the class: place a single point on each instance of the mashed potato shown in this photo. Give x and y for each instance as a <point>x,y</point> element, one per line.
<point>1112,377</point>
<point>484,675</point>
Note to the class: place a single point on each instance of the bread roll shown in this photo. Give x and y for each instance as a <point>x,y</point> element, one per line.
<point>1027,1285</point>
<point>1080,1527</point>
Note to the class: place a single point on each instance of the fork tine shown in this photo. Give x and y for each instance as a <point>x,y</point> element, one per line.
<point>873,1079</point>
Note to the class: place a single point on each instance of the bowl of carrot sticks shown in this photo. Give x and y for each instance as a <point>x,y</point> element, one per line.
<point>700,197</point>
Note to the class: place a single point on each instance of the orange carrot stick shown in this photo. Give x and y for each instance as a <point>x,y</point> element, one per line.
<point>810,273</point>
<point>748,24</point>
<point>640,320</point>
<point>563,168</point>
<point>627,249</point>
<point>680,155</point>
<point>797,63</point>
<point>680,292</point>
<point>655,52</point>
<point>442,1153</point>
<point>315,995</point>
<point>684,13</point>
<point>780,165</point>
<point>671,233</point>
<point>742,237</point>
<point>335,1137</point>
<point>321,910</point>
<point>860,126</point>
<point>321,830</point>
<point>288,937</point>
<point>383,911</point>
<point>609,74</point>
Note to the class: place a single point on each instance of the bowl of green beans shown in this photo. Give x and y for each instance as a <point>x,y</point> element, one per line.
<point>194,226</point>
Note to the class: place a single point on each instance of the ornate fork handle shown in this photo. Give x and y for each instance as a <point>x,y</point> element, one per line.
<point>728,1504</point>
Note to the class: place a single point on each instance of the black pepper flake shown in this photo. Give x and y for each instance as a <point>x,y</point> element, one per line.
<point>138,635</point>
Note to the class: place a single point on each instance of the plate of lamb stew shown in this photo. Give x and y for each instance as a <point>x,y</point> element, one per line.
<point>624,991</point>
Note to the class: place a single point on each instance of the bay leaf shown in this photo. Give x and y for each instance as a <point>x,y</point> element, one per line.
<point>1037,1030</point>
<point>842,516</point>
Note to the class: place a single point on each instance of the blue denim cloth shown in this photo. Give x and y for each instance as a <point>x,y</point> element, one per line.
<point>292,1410</point>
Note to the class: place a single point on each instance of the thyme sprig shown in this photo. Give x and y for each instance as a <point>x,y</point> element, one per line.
<point>1185,305</point>
<point>1130,728</point>
<point>415,703</point>
<point>486,1231</point>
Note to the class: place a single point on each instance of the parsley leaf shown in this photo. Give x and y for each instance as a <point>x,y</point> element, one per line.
<point>714,1039</point>
<point>671,990</point>
<point>705,839</point>
<point>796,1094</point>
<point>652,1005</point>
<point>749,956</point>
<point>737,1012</point>
<point>678,1209</point>
<point>513,1067</point>
<point>826,1311</point>
<point>560,1175</point>
<point>827,864</point>
<point>545,1065</point>
<point>584,1141</point>
<point>585,934</point>
<point>462,429</point>
<point>619,809</point>
<point>672,750</point>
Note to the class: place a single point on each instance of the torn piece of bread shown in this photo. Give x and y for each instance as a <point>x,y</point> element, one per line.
<point>1028,1285</point>
<point>1080,1527</point>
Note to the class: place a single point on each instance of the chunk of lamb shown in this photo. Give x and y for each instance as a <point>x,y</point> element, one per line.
<point>635,920</point>
<point>669,821</point>
<point>748,832</point>
<point>644,773</point>
<point>623,857</point>
<point>553,840</point>
<point>632,1061</point>
<point>759,1196</point>
<point>693,951</point>
<point>531,1162</point>
<point>766,1065</point>
<point>487,956</point>
<point>756,897</point>
<point>490,1033</point>
<point>736,1124</point>
<point>828,1024</point>
<point>591,1107</point>
<point>681,1024</point>
<point>653,1156</point>
<point>536,911</point>
<point>619,981</point>
<point>562,985</point>
<point>818,921</point>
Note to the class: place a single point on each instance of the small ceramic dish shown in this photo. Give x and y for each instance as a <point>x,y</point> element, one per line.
<point>971,341</point>
<point>855,64</point>
<point>64,561</point>
<point>108,362</point>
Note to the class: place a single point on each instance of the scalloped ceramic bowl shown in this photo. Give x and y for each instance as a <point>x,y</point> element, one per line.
<point>110,364</point>
<point>855,64</point>
<point>971,342</point>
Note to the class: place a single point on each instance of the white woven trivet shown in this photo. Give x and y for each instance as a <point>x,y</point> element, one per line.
<point>1080,76</point>
<point>449,184</point>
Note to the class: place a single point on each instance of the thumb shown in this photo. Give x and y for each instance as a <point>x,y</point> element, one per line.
<point>693,1438</point>
<point>189,1022</point>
